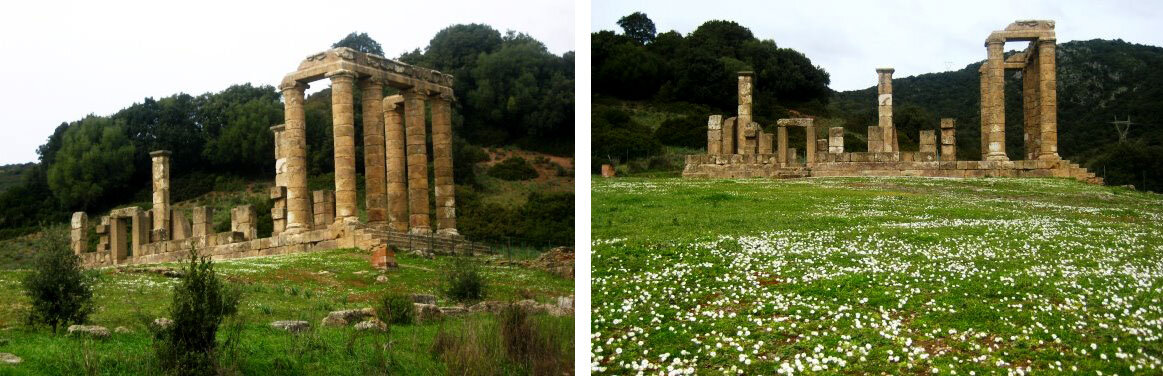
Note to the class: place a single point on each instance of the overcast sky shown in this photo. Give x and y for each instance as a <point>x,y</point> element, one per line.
<point>850,39</point>
<point>66,59</point>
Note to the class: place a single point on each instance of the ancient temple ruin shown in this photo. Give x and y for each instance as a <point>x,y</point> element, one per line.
<point>738,147</point>
<point>395,171</point>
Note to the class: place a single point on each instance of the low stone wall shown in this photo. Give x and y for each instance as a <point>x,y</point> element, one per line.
<point>232,244</point>
<point>878,164</point>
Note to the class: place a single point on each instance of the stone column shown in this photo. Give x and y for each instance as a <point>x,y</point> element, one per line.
<point>118,239</point>
<point>278,210</point>
<point>746,80</point>
<point>204,221</point>
<point>343,126</point>
<point>985,110</point>
<point>781,144</point>
<point>836,140</point>
<point>729,136</point>
<point>324,207</point>
<point>280,161</point>
<point>996,118</point>
<point>161,194</point>
<point>810,148</point>
<point>442,164</point>
<point>79,232</point>
<point>242,219</point>
<point>417,161</point>
<point>765,143</point>
<point>139,231</point>
<point>374,162</point>
<point>397,160</point>
<point>1031,122</point>
<point>1048,100</point>
<point>715,135</point>
<point>884,107</point>
<point>948,140</point>
<point>294,151</point>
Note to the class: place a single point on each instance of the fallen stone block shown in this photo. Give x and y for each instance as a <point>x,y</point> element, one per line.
<point>372,324</point>
<point>347,316</point>
<point>94,331</point>
<point>293,326</point>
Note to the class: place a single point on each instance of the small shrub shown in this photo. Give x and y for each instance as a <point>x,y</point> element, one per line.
<point>463,281</point>
<point>536,347</point>
<point>512,169</point>
<point>396,309</point>
<point>200,303</point>
<point>59,290</point>
<point>559,171</point>
<point>468,350</point>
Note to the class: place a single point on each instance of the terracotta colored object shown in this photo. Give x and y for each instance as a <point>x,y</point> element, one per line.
<point>607,171</point>
<point>383,257</point>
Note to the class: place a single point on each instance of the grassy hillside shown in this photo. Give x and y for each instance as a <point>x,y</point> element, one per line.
<point>12,175</point>
<point>876,275</point>
<point>292,287</point>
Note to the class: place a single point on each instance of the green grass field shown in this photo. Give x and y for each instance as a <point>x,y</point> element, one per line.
<point>875,276</point>
<point>291,287</point>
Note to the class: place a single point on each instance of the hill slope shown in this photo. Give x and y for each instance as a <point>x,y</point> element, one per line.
<point>875,275</point>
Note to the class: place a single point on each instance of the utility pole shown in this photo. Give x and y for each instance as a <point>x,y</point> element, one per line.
<point>1123,126</point>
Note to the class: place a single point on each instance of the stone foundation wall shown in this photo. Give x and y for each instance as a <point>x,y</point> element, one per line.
<point>877,164</point>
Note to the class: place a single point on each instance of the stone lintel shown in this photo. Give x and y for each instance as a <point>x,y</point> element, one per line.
<point>795,122</point>
<point>746,73</point>
<point>375,67</point>
<point>1019,35</point>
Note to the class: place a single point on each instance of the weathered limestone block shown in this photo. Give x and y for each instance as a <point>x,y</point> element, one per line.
<point>294,151</point>
<point>417,149</point>
<point>397,178</point>
<point>278,209</point>
<point>181,225</point>
<point>948,140</point>
<point>243,220</point>
<point>343,126</point>
<point>875,139</point>
<point>1048,100</point>
<point>746,81</point>
<point>765,143</point>
<point>809,137</point>
<point>161,191</point>
<point>139,232</point>
<point>324,204</point>
<point>715,135</point>
<point>203,224</point>
<point>781,144</point>
<point>836,140</point>
<point>792,157</point>
<point>884,107</point>
<point>822,146</point>
<point>749,143</point>
<point>729,136</point>
<point>79,232</point>
<point>927,141</point>
<point>375,162</point>
<point>118,239</point>
<point>103,234</point>
<point>994,113</point>
<point>280,162</point>
<point>445,190</point>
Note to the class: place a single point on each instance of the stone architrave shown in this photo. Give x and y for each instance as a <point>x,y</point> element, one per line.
<point>324,205</point>
<point>242,219</point>
<point>397,177</point>
<point>417,148</point>
<point>161,194</point>
<point>343,126</point>
<point>884,108</point>
<point>715,135</point>
<point>948,140</point>
<point>836,140</point>
<point>294,151</point>
<point>781,144</point>
<point>1047,100</point>
<point>79,232</point>
<point>729,136</point>
<point>445,190</point>
<point>375,162</point>
<point>203,225</point>
<point>765,143</point>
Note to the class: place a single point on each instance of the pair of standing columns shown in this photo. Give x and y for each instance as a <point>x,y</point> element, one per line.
<point>1044,103</point>
<point>381,179</point>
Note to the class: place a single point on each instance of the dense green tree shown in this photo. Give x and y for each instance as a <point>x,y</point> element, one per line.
<point>360,42</point>
<point>617,138</point>
<point>59,290</point>
<point>638,27</point>
<point>245,143</point>
<point>95,161</point>
<point>685,131</point>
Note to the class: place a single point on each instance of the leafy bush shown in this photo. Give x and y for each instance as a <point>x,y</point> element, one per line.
<point>200,303</point>
<point>396,309</point>
<point>617,137</point>
<point>513,168</point>
<point>463,281</point>
<point>687,131</point>
<point>59,290</point>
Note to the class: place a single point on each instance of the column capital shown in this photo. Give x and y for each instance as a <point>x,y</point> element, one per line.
<point>160,153</point>
<point>888,70</point>
<point>447,97</point>
<point>415,90</point>
<point>293,85</point>
<point>371,81</point>
<point>341,74</point>
<point>393,102</point>
<point>278,128</point>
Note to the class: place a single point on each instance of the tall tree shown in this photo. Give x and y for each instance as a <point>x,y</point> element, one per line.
<point>95,162</point>
<point>360,42</point>
<point>638,27</point>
